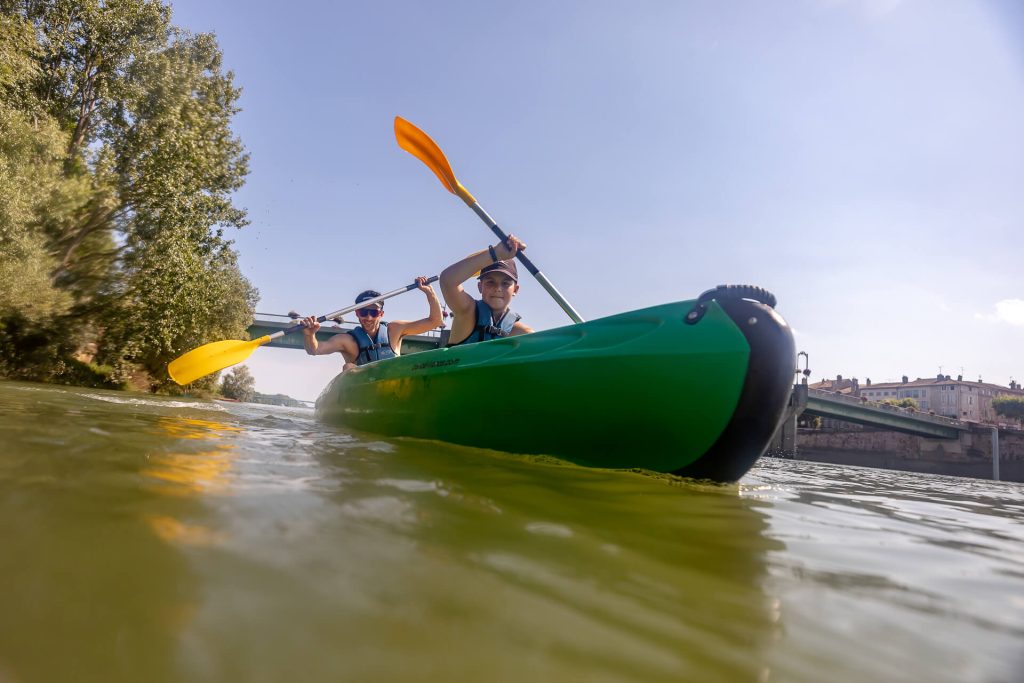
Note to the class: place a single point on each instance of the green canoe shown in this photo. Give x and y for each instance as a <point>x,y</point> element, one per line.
<point>696,388</point>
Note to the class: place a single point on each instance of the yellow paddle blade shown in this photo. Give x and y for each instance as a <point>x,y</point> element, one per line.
<point>417,143</point>
<point>210,358</point>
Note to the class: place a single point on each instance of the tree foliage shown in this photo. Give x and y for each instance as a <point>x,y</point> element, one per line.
<point>239,384</point>
<point>117,168</point>
<point>155,313</point>
<point>31,151</point>
<point>1009,406</point>
<point>277,400</point>
<point>901,402</point>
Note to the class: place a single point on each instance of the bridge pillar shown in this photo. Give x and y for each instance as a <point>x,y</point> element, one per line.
<point>784,442</point>
<point>787,434</point>
<point>995,453</point>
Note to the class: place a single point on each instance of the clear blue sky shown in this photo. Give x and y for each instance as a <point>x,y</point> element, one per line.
<point>862,159</point>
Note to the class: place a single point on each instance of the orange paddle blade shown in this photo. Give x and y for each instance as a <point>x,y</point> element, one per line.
<point>417,143</point>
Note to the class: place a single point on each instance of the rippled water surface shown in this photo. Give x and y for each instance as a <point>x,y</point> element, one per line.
<point>150,539</point>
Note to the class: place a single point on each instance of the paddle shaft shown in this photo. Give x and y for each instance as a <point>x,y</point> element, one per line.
<point>417,143</point>
<point>541,277</point>
<point>349,309</point>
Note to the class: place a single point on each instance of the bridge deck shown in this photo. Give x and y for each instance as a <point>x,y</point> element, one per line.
<point>859,411</point>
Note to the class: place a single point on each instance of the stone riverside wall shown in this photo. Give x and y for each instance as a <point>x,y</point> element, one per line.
<point>969,456</point>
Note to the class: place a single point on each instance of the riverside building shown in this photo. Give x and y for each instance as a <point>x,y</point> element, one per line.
<point>944,395</point>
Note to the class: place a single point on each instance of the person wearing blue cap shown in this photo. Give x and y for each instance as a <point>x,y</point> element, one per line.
<point>373,339</point>
<point>489,317</point>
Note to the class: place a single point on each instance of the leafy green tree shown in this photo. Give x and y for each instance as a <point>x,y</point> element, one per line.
<point>173,297</point>
<point>239,384</point>
<point>117,155</point>
<point>28,175</point>
<point>901,403</point>
<point>1009,406</point>
<point>31,149</point>
<point>82,53</point>
<point>30,155</point>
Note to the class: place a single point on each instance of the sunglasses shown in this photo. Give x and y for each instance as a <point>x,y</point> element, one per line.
<point>369,312</point>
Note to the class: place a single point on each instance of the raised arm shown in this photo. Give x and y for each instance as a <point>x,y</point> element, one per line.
<point>400,328</point>
<point>454,275</point>
<point>341,343</point>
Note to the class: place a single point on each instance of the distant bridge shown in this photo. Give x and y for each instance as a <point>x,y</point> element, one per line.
<point>268,323</point>
<point>859,411</point>
<point>805,400</point>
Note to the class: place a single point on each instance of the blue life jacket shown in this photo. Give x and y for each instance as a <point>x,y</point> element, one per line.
<point>485,329</point>
<point>370,350</point>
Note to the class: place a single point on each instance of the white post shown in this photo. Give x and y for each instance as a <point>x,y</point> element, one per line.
<point>995,453</point>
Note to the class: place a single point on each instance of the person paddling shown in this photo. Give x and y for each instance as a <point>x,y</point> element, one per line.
<point>498,283</point>
<point>374,339</point>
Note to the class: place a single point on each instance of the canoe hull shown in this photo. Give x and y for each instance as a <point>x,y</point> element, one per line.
<point>643,389</point>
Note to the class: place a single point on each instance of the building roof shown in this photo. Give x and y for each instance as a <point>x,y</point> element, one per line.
<point>935,381</point>
<point>842,386</point>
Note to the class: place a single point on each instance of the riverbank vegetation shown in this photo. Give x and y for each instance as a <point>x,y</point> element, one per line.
<point>1009,406</point>
<point>240,385</point>
<point>117,169</point>
<point>908,403</point>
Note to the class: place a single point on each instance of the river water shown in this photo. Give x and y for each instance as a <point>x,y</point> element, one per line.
<point>151,539</point>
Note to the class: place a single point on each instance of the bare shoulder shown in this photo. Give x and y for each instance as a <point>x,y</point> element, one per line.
<point>521,328</point>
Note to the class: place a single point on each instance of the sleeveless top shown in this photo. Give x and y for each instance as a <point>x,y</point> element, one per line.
<point>370,350</point>
<point>485,329</point>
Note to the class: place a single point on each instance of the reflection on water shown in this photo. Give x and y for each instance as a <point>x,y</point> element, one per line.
<point>192,471</point>
<point>157,539</point>
<point>172,530</point>
<point>202,469</point>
